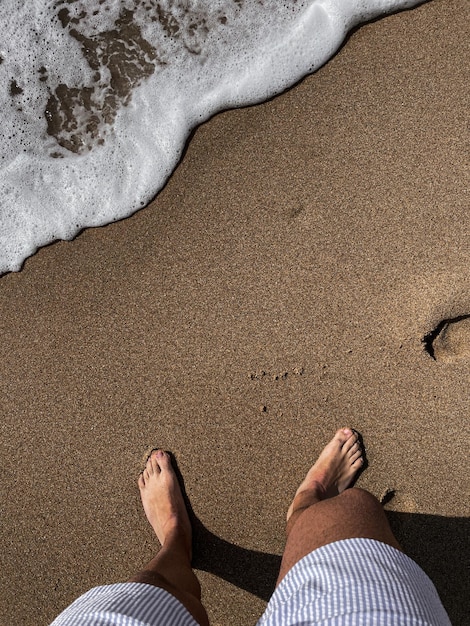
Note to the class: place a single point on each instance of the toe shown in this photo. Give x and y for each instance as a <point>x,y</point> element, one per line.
<point>350,442</point>
<point>342,435</point>
<point>154,462</point>
<point>354,447</point>
<point>358,463</point>
<point>163,459</point>
<point>141,481</point>
<point>356,455</point>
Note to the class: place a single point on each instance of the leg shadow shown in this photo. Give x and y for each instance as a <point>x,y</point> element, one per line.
<point>253,571</point>
<point>440,546</point>
<point>250,570</point>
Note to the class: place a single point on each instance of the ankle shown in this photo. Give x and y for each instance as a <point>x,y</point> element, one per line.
<point>315,492</point>
<point>178,539</point>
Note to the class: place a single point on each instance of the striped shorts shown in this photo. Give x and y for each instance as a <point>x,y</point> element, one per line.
<point>126,604</point>
<point>354,582</point>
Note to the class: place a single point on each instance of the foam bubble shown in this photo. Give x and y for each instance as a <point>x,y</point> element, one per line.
<point>99,96</point>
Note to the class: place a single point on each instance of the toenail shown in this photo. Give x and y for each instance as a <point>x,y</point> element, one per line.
<point>159,453</point>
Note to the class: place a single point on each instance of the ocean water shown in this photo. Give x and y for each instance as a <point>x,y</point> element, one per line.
<point>98,97</point>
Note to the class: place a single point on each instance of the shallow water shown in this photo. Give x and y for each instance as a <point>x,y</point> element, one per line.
<point>99,96</point>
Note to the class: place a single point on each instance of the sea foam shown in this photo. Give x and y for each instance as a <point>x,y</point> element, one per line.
<point>98,97</point>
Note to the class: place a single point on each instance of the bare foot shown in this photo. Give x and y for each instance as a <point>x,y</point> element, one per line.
<point>162,499</point>
<point>332,473</point>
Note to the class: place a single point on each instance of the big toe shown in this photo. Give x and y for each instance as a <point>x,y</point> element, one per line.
<point>343,435</point>
<point>163,459</point>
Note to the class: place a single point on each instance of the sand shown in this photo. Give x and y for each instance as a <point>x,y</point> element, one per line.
<point>279,287</point>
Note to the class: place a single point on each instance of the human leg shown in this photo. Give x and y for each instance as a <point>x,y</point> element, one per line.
<point>324,510</point>
<point>166,511</point>
<point>166,591</point>
<point>341,563</point>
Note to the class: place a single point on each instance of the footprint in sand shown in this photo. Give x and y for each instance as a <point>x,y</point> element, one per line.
<point>450,341</point>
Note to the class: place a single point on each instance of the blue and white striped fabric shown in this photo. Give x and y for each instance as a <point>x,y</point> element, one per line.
<point>126,604</point>
<point>355,582</point>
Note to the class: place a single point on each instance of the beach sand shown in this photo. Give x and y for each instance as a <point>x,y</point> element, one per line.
<point>279,287</point>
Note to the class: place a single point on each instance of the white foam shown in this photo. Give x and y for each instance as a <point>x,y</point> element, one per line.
<point>102,145</point>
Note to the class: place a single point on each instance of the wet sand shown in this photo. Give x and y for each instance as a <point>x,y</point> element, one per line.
<point>279,287</point>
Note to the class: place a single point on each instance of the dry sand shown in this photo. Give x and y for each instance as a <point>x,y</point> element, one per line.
<point>279,287</point>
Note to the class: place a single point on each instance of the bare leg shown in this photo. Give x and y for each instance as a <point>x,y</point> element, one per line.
<point>164,507</point>
<point>325,510</point>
